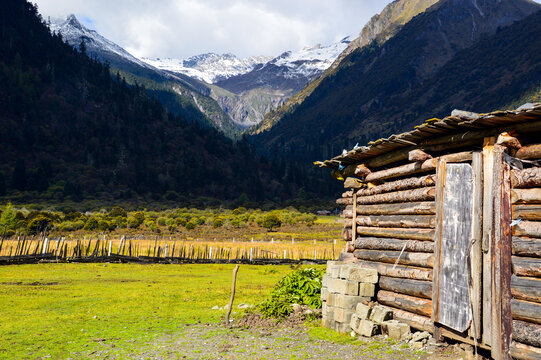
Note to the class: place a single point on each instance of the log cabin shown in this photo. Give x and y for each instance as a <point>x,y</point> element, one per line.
<point>449,214</point>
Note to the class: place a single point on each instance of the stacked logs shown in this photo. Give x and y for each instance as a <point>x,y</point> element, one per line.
<point>394,234</point>
<point>526,248</point>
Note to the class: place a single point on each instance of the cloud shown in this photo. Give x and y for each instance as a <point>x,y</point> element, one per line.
<point>182,28</point>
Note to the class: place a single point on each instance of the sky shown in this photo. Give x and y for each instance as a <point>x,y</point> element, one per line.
<point>183,28</point>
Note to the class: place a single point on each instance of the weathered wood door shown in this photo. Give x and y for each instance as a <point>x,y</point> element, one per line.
<point>471,281</point>
<point>455,302</point>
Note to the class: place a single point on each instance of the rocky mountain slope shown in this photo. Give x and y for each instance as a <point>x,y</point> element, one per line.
<point>181,94</point>
<point>210,67</point>
<point>389,87</point>
<point>380,28</point>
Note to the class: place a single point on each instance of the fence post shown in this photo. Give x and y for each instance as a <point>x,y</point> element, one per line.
<point>165,253</point>
<point>210,253</point>
<point>110,247</point>
<point>315,254</point>
<point>285,254</point>
<point>45,243</point>
<point>251,254</point>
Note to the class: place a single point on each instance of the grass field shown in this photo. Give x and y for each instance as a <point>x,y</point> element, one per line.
<point>75,310</point>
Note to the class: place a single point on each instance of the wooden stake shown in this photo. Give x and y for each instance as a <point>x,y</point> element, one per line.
<point>232,294</point>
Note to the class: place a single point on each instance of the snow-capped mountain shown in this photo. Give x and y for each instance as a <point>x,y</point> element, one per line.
<point>310,61</point>
<point>210,67</point>
<point>73,32</point>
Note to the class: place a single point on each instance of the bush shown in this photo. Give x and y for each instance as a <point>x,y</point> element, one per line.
<point>117,211</point>
<point>104,225</point>
<point>218,222</point>
<point>161,221</point>
<point>237,223</point>
<point>151,225</point>
<point>38,224</point>
<point>181,221</point>
<point>91,224</point>
<point>301,287</point>
<point>271,221</point>
<point>133,223</point>
<point>200,220</point>
<point>139,217</point>
<point>190,225</point>
<point>72,225</point>
<point>120,222</point>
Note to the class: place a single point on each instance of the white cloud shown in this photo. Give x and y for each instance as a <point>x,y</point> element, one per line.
<point>182,28</point>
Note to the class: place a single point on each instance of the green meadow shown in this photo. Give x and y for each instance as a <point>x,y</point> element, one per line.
<point>77,310</point>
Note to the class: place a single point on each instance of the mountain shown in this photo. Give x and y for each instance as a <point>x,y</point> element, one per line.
<point>380,28</point>
<point>178,93</point>
<point>247,89</point>
<point>210,67</point>
<point>71,131</point>
<point>390,87</point>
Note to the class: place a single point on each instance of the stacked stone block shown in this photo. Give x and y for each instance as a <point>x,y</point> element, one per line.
<point>345,285</point>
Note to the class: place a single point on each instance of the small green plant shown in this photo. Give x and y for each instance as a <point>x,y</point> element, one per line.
<point>301,287</point>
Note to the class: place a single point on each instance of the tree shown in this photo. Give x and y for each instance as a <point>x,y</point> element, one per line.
<point>18,180</point>
<point>271,221</point>
<point>8,219</point>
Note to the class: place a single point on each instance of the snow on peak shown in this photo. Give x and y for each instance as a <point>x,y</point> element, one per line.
<point>311,60</point>
<point>73,32</point>
<point>209,67</point>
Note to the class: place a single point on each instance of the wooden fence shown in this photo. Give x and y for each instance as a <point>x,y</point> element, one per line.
<point>161,250</point>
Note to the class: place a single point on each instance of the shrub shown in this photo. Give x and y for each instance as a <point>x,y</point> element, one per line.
<point>190,225</point>
<point>181,221</point>
<point>200,220</point>
<point>117,211</point>
<point>104,225</point>
<point>301,287</point>
<point>237,222</point>
<point>91,224</point>
<point>239,210</point>
<point>271,221</point>
<point>133,223</point>
<point>8,219</point>
<point>151,225</point>
<point>120,222</point>
<point>161,221</point>
<point>139,216</point>
<point>38,224</point>
<point>218,222</point>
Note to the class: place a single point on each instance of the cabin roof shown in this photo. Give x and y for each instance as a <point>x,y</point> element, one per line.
<point>458,122</point>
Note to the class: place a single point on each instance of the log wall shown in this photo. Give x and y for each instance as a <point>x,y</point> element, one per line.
<point>393,220</point>
<point>526,249</point>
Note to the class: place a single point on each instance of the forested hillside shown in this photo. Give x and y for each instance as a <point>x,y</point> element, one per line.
<point>70,130</point>
<point>455,55</point>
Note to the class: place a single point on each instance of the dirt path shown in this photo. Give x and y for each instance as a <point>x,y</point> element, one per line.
<point>218,342</point>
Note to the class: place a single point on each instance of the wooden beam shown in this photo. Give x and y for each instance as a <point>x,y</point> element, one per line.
<point>353,183</point>
<point>521,351</point>
<point>501,265</point>
<point>397,233</point>
<point>528,289</point>
<point>527,212</point>
<point>527,247</point>
<point>373,243</point>
<point>528,228</point>
<point>415,168</point>
<point>406,221</point>
<point>397,185</point>
<point>488,207</point>
<point>412,195</point>
<point>405,258</point>
<point>526,196</point>
<point>440,186</point>
<point>527,333</point>
<point>476,256</point>
<point>529,152</point>
<point>523,266</point>
<point>422,289</point>
<point>526,178</point>
<point>400,271</point>
<point>526,310</point>
<point>418,155</point>
<point>408,303</point>
<point>414,208</point>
